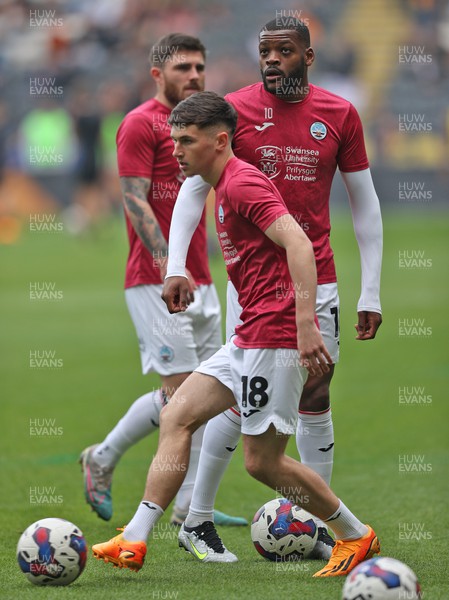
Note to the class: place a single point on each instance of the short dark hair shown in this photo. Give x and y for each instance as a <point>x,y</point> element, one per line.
<point>289,23</point>
<point>204,109</point>
<point>171,44</point>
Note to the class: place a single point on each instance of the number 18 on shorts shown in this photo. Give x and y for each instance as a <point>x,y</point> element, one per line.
<point>266,382</point>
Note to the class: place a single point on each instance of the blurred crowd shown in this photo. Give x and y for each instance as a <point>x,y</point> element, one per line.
<point>71,69</point>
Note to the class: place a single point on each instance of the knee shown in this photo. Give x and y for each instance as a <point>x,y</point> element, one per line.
<point>176,420</point>
<point>171,421</point>
<point>166,422</point>
<point>256,466</point>
<point>315,396</point>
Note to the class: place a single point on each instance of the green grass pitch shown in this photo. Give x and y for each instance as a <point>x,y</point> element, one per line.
<point>89,331</point>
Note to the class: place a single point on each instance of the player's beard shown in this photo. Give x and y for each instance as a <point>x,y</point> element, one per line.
<point>290,86</point>
<point>175,95</point>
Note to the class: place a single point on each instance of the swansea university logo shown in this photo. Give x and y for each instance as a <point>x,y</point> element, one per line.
<point>269,159</point>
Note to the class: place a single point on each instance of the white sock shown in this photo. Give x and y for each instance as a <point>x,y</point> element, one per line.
<point>345,525</point>
<point>315,442</point>
<point>220,440</point>
<point>145,518</point>
<point>184,495</point>
<point>141,419</point>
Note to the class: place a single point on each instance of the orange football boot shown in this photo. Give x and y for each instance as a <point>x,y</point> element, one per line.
<point>121,553</point>
<point>347,554</point>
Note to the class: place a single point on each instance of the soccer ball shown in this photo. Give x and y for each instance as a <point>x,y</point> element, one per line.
<point>381,578</point>
<point>282,531</point>
<point>52,552</point>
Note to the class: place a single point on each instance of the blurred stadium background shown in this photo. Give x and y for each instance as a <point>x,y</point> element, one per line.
<point>70,70</point>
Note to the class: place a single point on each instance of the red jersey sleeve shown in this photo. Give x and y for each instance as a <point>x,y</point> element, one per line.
<point>256,199</point>
<point>352,154</point>
<point>136,144</point>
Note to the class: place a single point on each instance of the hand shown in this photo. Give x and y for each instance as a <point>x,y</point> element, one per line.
<point>192,285</point>
<point>313,353</point>
<point>369,323</point>
<point>177,293</point>
<point>162,264</point>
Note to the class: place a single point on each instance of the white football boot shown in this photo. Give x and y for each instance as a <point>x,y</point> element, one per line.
<point>204,543</point>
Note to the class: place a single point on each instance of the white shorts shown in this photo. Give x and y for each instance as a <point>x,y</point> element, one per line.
<point>267,384</point>
<point>171,344</point>
<point>327,311</point>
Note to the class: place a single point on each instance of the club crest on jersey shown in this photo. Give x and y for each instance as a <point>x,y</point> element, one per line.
<point>220,214</point>
<point>166,353</point>
<point>318,130</point>
<point>269,159</point>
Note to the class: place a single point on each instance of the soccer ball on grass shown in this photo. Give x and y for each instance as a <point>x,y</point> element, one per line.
<point>52,552</point>
<point>282,531</point>
<point>381,578</point>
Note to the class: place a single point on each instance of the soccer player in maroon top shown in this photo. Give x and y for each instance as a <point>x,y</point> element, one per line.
<point>264,248</point>
<point>297,134</point>
<point>150,178</point>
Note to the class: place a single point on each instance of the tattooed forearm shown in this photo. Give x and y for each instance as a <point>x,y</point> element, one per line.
<point>141,215</point>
